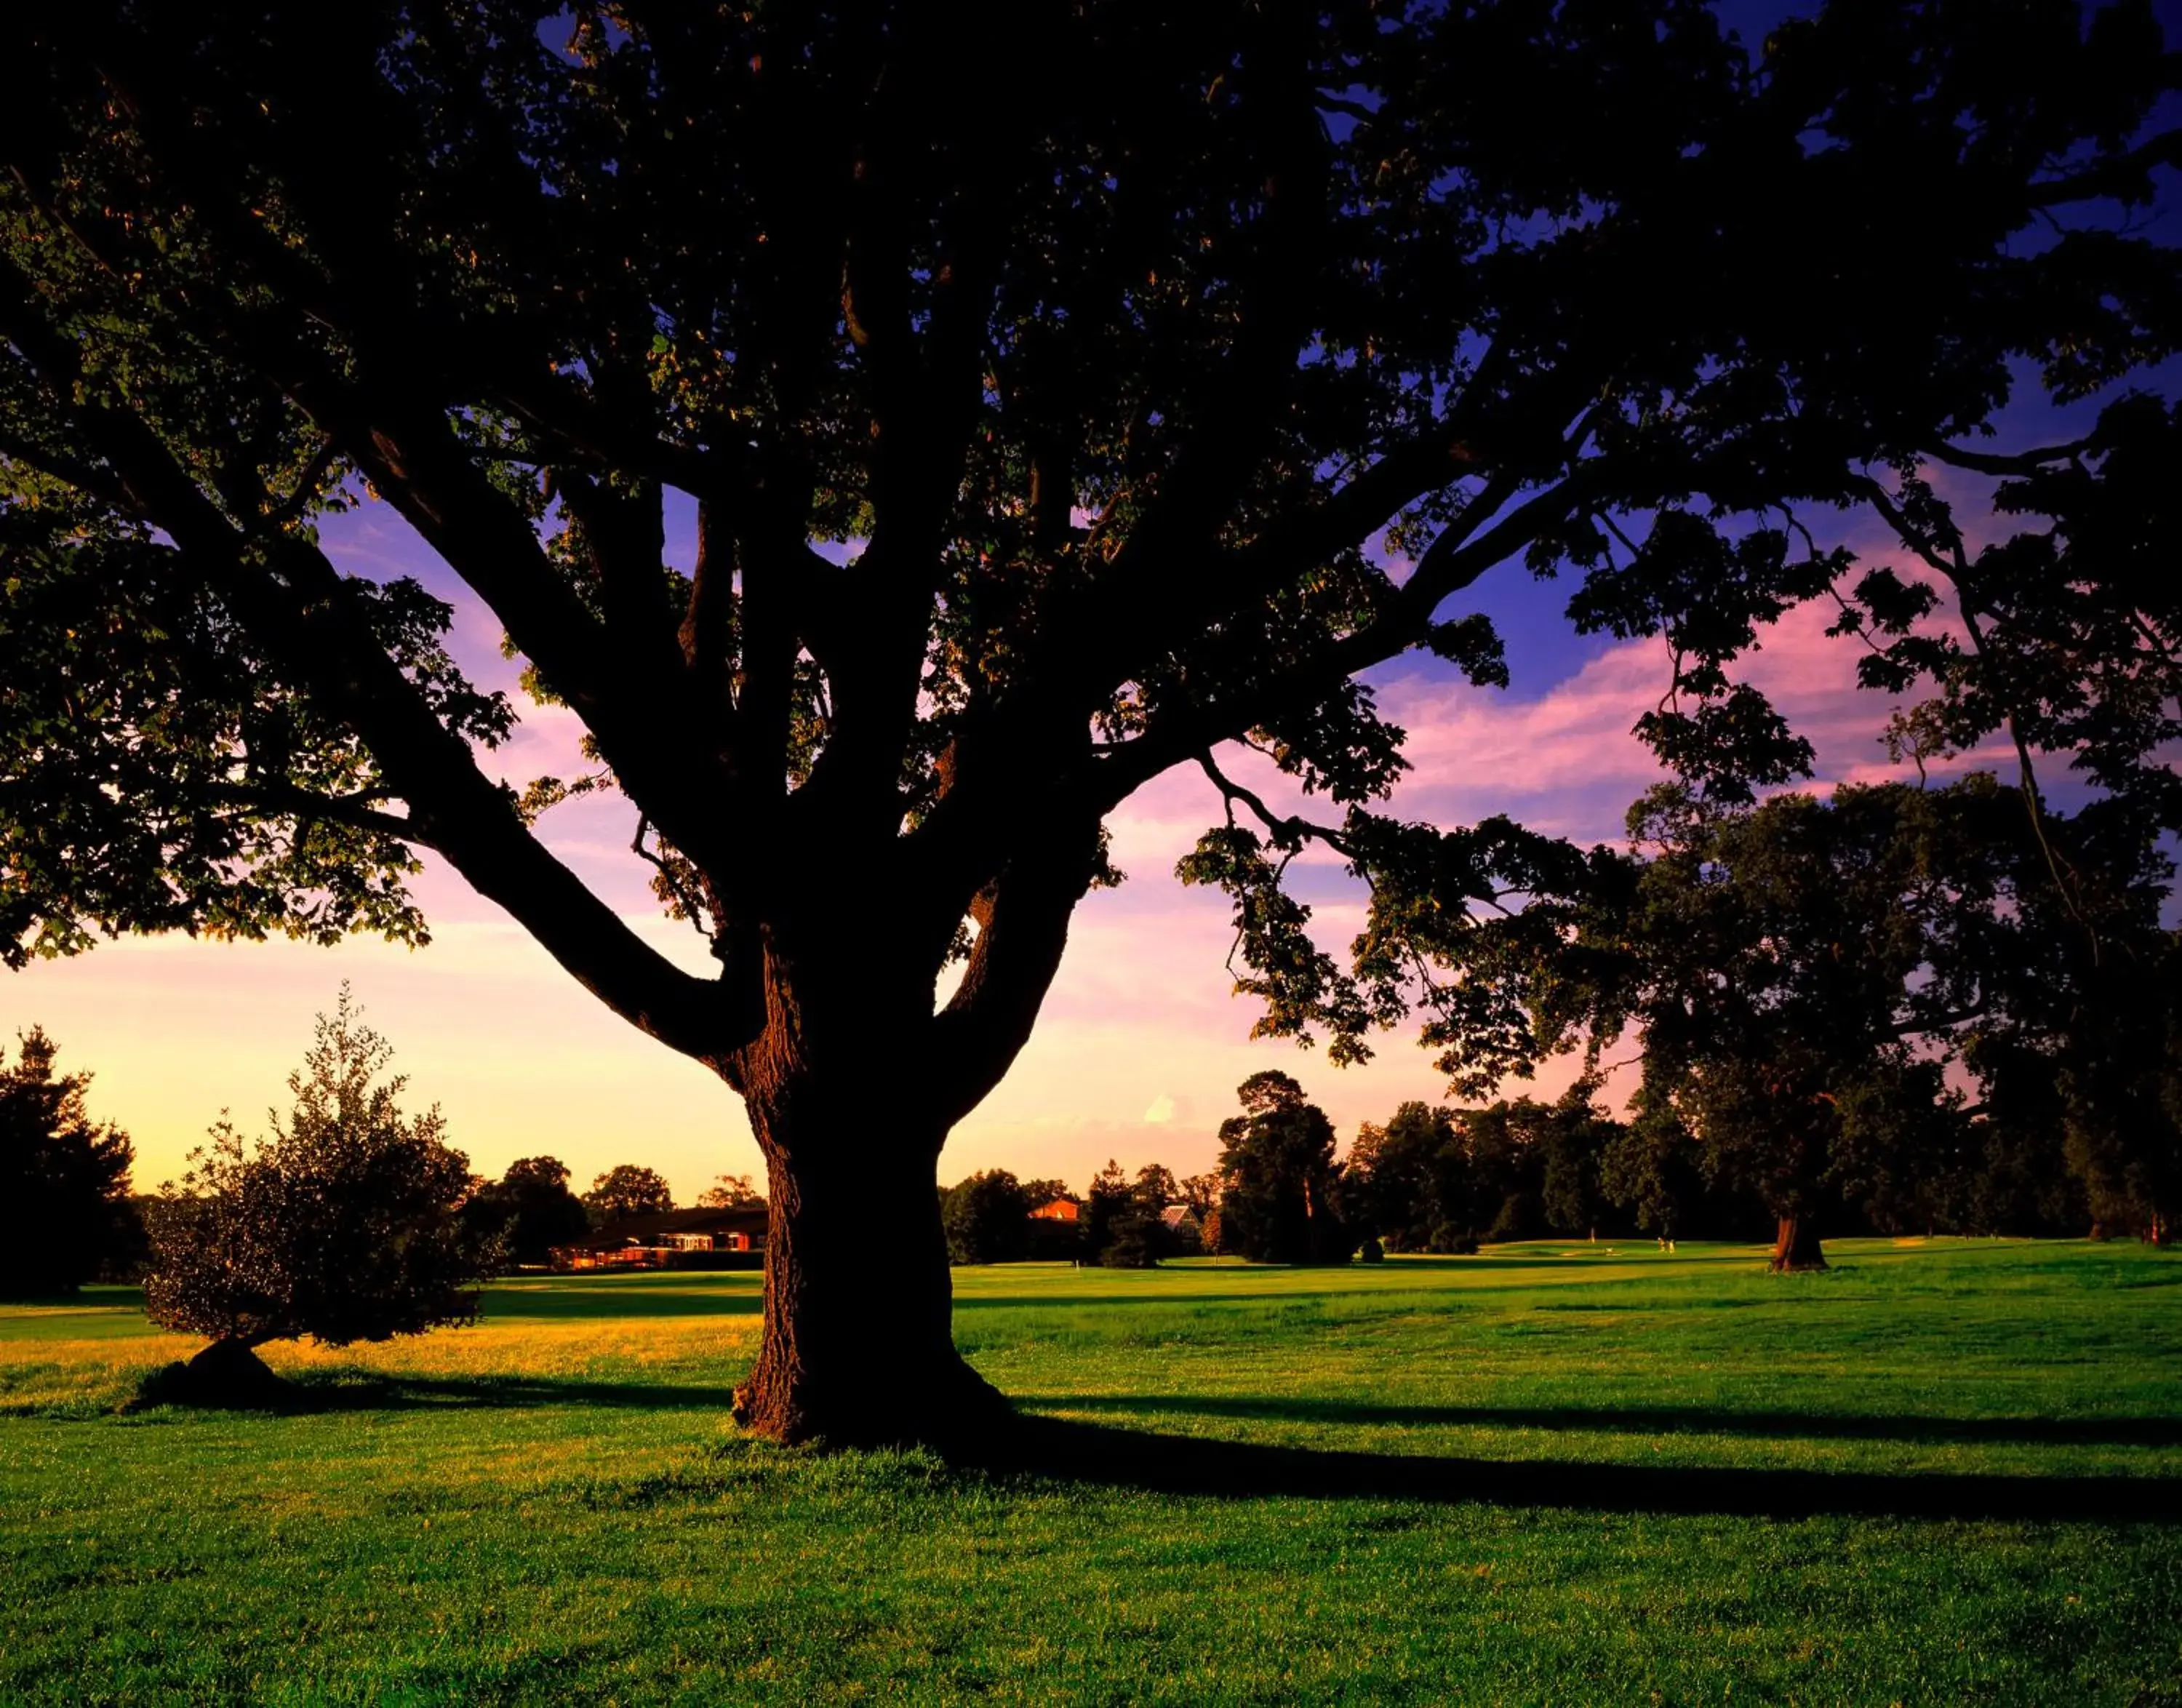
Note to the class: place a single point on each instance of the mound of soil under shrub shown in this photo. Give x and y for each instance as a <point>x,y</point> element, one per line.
<point>227,1374</point>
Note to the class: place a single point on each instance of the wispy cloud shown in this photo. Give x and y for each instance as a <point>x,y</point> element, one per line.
<point>1137,1055</point>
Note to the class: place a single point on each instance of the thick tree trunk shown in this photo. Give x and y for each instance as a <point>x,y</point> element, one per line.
<point>852,1085</point>
<point>858,1346</point>
<point>1796,1246</point>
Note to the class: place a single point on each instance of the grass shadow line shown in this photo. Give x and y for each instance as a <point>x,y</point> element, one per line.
<point>1099,1455</point>
<point>318,1395</point>
<point>2119,1431</point>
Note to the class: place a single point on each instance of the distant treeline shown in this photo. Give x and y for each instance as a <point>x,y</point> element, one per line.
<point>1447,1179</point>
<point>1896,1010</point>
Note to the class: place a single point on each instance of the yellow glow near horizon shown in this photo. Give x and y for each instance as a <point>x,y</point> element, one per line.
<point>1136,1055</point>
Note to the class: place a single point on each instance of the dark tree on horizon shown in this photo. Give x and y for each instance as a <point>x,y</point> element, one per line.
<point>2081,1049</point>
<point>1572,1139</point>
<point>1799,975</point>
<point>528,1210</point>
<point>1122,1228</point>
<point>1044,430</point>
<point>987,1217</point>
<point>1405,1181</point>
<point>1280,1186</point>
<point>731,1192</point>
<point>1046,1190</point>
<point>64,1178</point>
<point>626,1190</point>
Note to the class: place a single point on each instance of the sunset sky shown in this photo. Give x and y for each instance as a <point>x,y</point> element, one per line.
<point>1141,1045</point>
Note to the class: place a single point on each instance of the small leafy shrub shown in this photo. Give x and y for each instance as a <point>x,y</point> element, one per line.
<point>341,1225</point>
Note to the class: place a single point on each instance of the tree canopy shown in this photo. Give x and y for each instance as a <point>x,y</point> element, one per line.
<point>628,1190</point>
<point>731,1192</point>
<point>1042,435</point>
<point>528,1212</point>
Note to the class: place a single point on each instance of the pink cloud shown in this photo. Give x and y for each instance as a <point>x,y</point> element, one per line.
<point>1140,1019</point>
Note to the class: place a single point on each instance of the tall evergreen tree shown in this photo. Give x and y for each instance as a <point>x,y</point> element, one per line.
<point>64,1178</point>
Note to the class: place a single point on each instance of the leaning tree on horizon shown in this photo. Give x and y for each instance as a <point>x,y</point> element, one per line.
<point>1063,393</point>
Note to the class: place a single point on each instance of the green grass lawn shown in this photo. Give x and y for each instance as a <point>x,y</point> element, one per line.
<point>1942,1472</point>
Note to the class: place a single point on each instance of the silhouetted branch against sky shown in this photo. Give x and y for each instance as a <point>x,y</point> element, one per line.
<point>943,509</point>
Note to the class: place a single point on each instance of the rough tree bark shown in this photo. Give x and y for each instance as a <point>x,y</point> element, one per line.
<point>858,1345</point>
<point>1796,1245</point>
<point>852,1085</point>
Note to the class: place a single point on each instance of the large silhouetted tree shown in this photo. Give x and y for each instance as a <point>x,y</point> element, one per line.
<point>2081,1050</point>
<point>1799,975</point>
<point>1043,430</point>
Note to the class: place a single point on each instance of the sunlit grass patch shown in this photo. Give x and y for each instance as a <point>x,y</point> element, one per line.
<point>552,1505</point>
<point>542,1351</point>
<point>89,1356</point>
<point>55,1377</point>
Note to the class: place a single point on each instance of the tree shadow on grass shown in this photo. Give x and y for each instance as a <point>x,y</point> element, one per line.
<point>533,1393</point>
<point>315,1396</point>
<point>1100,1455</point>
<point>1625,1420</point>
<point>1125,1295</point>
<point>1104,1455</point>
